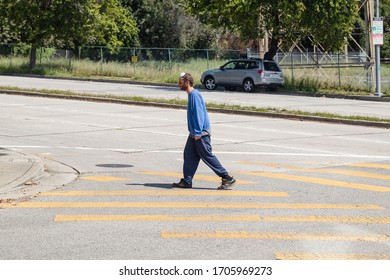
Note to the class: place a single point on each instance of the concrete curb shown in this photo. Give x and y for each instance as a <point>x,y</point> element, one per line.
<point>20,172</point>
<point>27,175</point>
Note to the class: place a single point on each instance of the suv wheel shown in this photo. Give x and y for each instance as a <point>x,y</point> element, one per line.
<point>248,85</point>
<point>209,83</point>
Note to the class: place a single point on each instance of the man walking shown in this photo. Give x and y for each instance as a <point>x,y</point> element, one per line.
<point>198,144</point>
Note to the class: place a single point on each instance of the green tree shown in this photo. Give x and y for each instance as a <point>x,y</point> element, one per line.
<point>385,13</point>
<point>326,21</point>
<point>157,22</point>
<point>114,26</point>
<point>66,23</point>
<point>165,24</point>
<point>7,32</point>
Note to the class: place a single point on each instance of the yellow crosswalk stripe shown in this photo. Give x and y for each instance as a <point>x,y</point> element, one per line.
<point>103,178</point>
<point>325,170</point>
<point>348,172</point>
<point>329,256</point>
<point>371,165</point>
<point>242,218</point>
<point>166,193</point>
<point>275,235</point>
<point>68,218</point>
<point>223,205</point>
<point>319,181</point>
<point>327,219</point>
<point>197,177</point>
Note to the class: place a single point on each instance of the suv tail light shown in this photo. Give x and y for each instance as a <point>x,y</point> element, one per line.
<point>261,73</point>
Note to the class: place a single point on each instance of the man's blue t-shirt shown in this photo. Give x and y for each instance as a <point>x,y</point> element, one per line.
<point>197,117</point>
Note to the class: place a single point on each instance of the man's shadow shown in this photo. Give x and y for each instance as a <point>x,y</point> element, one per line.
<point>164,186</point>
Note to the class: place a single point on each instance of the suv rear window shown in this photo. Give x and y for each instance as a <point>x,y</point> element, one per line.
<point>271,66</point>
<point>253,65</point>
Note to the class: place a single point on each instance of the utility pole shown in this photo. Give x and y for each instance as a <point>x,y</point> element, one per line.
<point>377,31</point>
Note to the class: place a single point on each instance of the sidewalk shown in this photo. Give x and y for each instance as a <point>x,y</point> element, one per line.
<point>23,175</point>
<point>18,173</point>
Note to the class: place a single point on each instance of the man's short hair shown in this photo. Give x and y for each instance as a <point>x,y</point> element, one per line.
<point>187,77</point>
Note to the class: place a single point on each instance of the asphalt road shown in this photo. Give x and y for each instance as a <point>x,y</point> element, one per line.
<point>261,99</point>
<point>304,189</point>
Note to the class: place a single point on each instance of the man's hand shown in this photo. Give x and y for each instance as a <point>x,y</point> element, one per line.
<point>197,137</point>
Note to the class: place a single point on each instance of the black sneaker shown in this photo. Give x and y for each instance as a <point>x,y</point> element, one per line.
<point>182,184</point>
<point>227,183</point>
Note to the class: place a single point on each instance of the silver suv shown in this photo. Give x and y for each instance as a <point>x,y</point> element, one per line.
<point>247,73</point>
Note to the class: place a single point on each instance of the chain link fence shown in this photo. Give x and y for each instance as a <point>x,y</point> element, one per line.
<point>353,70</point>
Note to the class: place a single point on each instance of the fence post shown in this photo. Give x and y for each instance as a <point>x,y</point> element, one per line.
<point>70,60</point>
<point>12,53</point>
<point>101,59</point>
<point>207,58</point>
<point>134,54</point>
<point>292,67</point>
<point>40,57</point>
<point>338,63</point>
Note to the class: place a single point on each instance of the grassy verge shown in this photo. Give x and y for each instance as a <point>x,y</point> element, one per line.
<point>210,105</point>
<point>345,81</point>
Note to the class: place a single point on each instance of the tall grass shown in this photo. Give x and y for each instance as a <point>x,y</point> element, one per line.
<point>344,80</point>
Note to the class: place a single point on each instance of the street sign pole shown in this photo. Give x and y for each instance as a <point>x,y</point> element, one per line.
<point>378,35</point>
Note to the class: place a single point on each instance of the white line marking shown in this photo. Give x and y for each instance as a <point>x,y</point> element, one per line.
<point>180,152</point>
<point>282,154</point>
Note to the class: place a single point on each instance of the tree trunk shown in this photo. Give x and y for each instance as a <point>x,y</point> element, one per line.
<point>273,49</point>
<point>276,40</point>
<point>33,57</point>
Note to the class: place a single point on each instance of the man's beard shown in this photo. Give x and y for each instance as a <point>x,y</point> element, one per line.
<point>184,87</point>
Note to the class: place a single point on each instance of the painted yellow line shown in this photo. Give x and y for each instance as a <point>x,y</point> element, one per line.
<point>243,218</point>
<point>319,181</point>
<point>371,165</point>
<point>225,205</point>
<point>270,164</point>
<point>103,178</point>
<point>274,235</point>
<point>348,172</point>
<point>73,218</point>
<point>319,170</point>
<point>327,219</point>
<point>197,177</point>
<point>328,256</point>
<point>167,193</point>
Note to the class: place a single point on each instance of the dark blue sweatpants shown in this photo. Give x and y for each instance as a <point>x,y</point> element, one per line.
<point>196,150</point>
